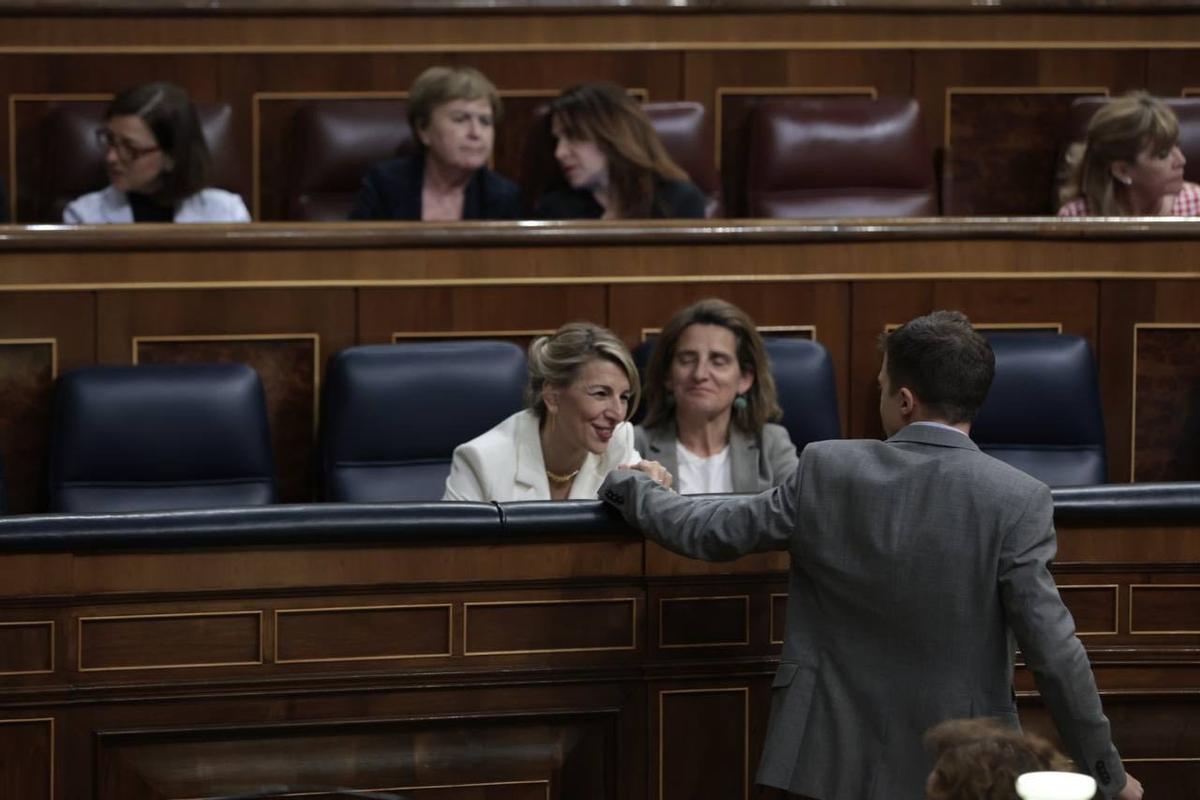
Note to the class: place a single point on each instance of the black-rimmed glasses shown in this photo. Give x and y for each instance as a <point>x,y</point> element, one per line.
<point>126,150</point>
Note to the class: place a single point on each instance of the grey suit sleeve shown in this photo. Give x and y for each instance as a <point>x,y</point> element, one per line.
<point>708,528</point>
<point>780,453</point>
<point>1045,632</point>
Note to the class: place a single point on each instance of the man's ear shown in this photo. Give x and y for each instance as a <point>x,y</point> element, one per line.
<point>908,403</point>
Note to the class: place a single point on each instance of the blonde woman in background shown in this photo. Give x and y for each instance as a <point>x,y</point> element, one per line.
<point>1130,165</point>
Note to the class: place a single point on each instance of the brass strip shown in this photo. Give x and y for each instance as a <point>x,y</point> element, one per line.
<point>1056,327</point>
<point>771,620</point>
<point>745,731</point>
<point>1009,90</point>
<point>180,615</point>
<point>745,598</point>
<point>50,722</point>
<point>399,336</point>
<point>531,782</point>
<point>774,91</point>
<point>1148,326</point>
<point>251,337</point>
<point>566,601</point>
<point>1116,593</point>
<point>1132,586</point>
<point>767,329</point>
<point>53,655</point>
<point>325,609</point>
<point>52,341</point>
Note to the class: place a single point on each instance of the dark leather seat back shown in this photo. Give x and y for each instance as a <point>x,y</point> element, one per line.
<point>70,164</point>
<point>682,126</point>
<point>160,437</point>
<point>839,157</point>
<point>334,143</point>
<point>804,385</point>
<point>393,414</point>
<point>1043,412</point>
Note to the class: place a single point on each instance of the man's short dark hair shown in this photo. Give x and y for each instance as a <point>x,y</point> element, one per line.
<point>945,362</point>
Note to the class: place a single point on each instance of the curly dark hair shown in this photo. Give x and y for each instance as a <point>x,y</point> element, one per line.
<point>980,759</point>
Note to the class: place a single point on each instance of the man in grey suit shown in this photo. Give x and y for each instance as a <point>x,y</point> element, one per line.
<point>914,562</point>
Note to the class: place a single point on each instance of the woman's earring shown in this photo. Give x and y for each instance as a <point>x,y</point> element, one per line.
<point>740,403</point>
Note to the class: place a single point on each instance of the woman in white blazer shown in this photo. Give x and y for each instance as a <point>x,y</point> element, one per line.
<point>582,388</point>
<point>157,163</point>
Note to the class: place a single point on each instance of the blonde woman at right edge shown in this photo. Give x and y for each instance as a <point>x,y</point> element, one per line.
<point>1130,165</point>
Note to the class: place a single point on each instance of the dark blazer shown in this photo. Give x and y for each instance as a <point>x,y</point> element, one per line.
<point>672,200</point>
<point>914,564</point>
<point>392,190</point>
<point>757,462</point>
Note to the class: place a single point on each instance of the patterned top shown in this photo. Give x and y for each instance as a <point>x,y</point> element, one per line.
<point>1186,204</point>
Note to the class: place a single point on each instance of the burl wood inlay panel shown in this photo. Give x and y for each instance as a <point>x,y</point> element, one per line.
<point>1002,151</point>
<point>170,640</point>
<point>288,369</point>
<point>461,757</point>
<point>704,621</point>
<point>549,626</point>
<point>358,634</point>
<point>1166,402</point>
<point>26,647</point>
<point>26,388</point>
<point>703,744</point>
<point>30,743</point>
<point>1093,607</point>
<point>1164,609</point>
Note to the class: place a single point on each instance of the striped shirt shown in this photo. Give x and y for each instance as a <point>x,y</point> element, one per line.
<point>1185,204</point>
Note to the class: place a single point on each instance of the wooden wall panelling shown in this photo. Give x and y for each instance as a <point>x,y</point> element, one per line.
<point>283,333</point>
<point>515,313</point>
<point>1148,415</point>
<point>1074,304</point>
<point>41,335</point>
<point>27,759</point>
<point>704,747</point>
<point>824,305</point>
<point>1003,147</point>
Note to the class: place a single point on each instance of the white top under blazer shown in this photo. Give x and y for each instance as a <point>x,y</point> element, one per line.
<point>110,205</point>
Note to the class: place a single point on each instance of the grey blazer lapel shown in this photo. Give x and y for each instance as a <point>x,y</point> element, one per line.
<point>660,446</point>
<point>744,460</point>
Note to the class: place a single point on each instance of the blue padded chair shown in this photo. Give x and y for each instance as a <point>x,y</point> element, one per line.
<point>1043,414</point>
<point>394,413</point>
<point>804,384</point>
<point>160,437</point>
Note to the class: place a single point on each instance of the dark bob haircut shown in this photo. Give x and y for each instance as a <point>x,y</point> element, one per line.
<point>171,117</point>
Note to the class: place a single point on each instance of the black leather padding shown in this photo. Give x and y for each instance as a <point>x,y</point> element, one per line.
<point>164,436</point>
<point>1043,412</point>
<point>393,414</point>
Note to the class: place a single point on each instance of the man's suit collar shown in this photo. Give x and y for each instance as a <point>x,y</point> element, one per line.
<point>933,435</point>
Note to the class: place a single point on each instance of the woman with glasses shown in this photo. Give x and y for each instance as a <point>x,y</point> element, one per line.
<point>157,163</point>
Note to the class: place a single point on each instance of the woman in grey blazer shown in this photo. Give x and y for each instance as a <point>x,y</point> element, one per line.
<point>711,404</point>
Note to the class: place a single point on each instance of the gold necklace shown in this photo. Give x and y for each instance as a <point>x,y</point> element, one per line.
<point>561,479</point>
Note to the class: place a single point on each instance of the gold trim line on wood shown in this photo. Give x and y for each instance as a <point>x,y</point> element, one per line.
<point>1140,326</point>
<point>633,602</point>
<point>1116,616</point>
<point>53,654</point>
<point>1134,632</point>
<point>745,598</point>
<point>250,337</point>
<point>399,336</point>
<point>745,730</point>
<point>530,782</point>
<point>50,723</point>
<point>179,615</point>
<point>1007,90</point>
<point>772,91</point>
<point>52,341</point>
<point>327,609</point>
<point>771,615</point>
<point>622,280</point>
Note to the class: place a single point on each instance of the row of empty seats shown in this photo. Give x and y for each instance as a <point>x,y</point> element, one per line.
<point>822,157</point>
<point>160,437</point>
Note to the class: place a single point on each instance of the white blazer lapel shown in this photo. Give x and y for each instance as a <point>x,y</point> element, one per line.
<point>529,482</point>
